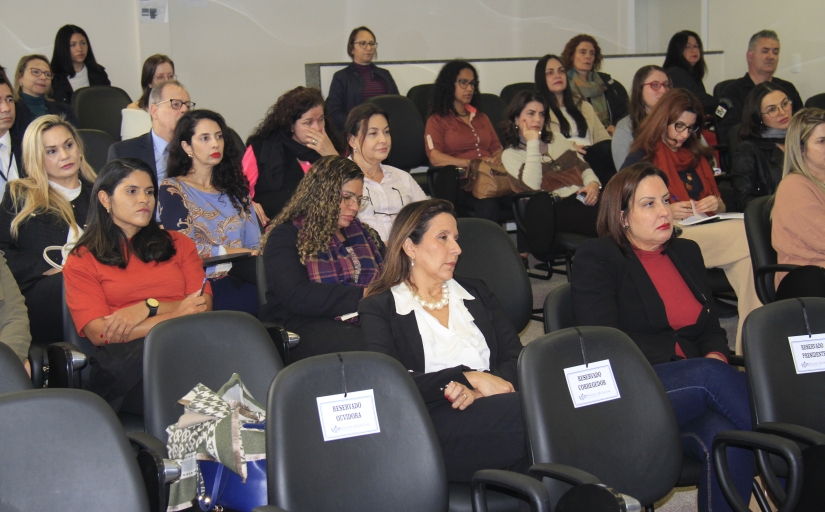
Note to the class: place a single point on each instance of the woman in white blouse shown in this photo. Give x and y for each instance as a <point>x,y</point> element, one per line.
<point>368,134</point>
<point>453,337</point>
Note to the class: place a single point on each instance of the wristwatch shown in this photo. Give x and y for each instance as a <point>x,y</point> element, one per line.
<point>152,304</point>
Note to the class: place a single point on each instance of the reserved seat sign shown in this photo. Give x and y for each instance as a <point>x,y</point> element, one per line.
<point>592,384</point>
<point>348,416</point>
<point>808,353</point>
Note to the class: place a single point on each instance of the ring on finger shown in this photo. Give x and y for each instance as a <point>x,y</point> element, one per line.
<point>464,395</point>
<point>314,142</point>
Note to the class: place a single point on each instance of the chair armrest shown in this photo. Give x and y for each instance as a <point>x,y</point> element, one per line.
<point>735,360</point>
<point>284,340</point>
<point>65,362</point>
<point>37,363</point>
<point>157,472</point>
<point>776,445</point>
<point>793,432</point>
<point>563,473</point>
<point>146,441</point>
<point>533,489</point>
<point>268,508</point>
<point>771,269</point>
<point>225,258</point>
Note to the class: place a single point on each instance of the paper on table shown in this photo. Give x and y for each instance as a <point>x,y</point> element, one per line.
<point>700,217</point>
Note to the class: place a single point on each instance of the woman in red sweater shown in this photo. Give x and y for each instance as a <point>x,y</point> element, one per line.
<point>125,276</point>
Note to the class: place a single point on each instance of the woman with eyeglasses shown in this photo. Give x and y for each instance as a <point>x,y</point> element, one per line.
<point>136,119</point>
<point>319,258</point>
<point>33,85</point>
<point>757,160</point>
<point>360,80</point>
<point>649,84</point>
<point>386,188</point>
<point>74,64</point>
<point>668,138</point>
<point>685,63</point>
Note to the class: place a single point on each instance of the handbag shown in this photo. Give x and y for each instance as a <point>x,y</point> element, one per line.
<point>222,487</point>
<point>485,181</point>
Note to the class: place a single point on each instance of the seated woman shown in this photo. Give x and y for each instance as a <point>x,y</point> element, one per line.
<point>206,197</point>
<point>641,279</point>
<point>453,337</point>
<point>291,138</point>
<point>126,275</point>
<point>668,138</point>
<point>685,63</point>
<point>136,119</point>
<point>360,80</point>
<point>32,83</point>
<point>756,167</point>
<point>319,258</point>
<point>799,207</point>
<point>582,57</point>
<point>649,84</point>
<point>74,64</point>
<point>539,160</point>
<point>388,189</point>
<point>46,209</point>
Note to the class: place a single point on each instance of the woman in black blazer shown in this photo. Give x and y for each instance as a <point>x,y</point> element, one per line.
<point>30,222</point>
<point>640,279</point>
<point>74,64</point>
<point>453,337</point>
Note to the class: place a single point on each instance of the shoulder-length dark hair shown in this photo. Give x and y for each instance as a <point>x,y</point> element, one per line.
<point>667,111</point>
<point>617,199</point>
<point>637,110</point>
<point>150,66</point>
<point>751,126</point>
<point>567,100</point>
<point>442,99</point>
<point>412,222</point>
<point>105,240</point>
<point>62,57</point>
<point>676,55</point>
<point>567,55</point>
<point>227,176</point>
<point>509,127</point>
<point>358,119</point>
<point>351,40</point>
<point>288,109</point>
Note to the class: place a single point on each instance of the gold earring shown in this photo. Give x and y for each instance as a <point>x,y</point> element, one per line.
<point>191,155</point>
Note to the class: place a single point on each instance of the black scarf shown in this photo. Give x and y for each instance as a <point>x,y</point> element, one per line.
<point>275,155</point>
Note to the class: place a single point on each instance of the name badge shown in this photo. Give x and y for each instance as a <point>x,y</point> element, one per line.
<point>808,353</point>
<point>350,416</point>
<point>721,111</point>
<point>592,384</point>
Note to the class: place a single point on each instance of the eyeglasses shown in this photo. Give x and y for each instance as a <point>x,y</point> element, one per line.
<point>463,83</point>
<point>162,78</point>
<point>177,104</point>
<point>350,200</point>
<point>364,44</point>
<point>37,72</point>
<point>655,86</point>
<point>773,110</point>
<point>680,127</point>
<point>692,47</point>
<point>369,200</point>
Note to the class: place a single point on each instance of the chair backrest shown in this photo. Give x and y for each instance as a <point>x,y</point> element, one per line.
<point>720,87</point>
<point>98,107</point>
<point>207,349</point>
<point>96,147</point>
<point>494,107</point>
<point>238,141</point>
<point>42,469</point>
<point>631,444</point>
<point>778,393</point>
<point>12,375</point>
<point>407,131</point>
<point>420,95</point>
<point>816,101</point>
<point>509,91</point>
<point>758,231</point>
<point>260,279</point>
<point>358,473</point>
<point>600,158</point>
<point>558,309</point>
<point>489,254</point>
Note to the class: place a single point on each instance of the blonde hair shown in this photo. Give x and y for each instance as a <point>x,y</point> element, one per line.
<point>802,126</point>
<point>32,195</point>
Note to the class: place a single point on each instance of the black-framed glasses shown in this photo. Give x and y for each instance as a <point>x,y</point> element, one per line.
<point>463,83</point>
<point>774,110</point>
<point>351,199</point>
<point>376,212</point>
<point>177,104</point>
<point>365,44</point>
<point>680,127</point>
<point>692,47</point>
<point>37,72</point>
<point>655,86</point>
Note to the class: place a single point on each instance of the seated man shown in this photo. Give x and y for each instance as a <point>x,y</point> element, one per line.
<point>11,148</point>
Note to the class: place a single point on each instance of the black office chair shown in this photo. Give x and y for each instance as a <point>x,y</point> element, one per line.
<point>98,107</point>
<point>95,147</point>
<point>420,95</point>
<point>489,254</point>
<point>600,158</point>
<point>720,87</point>
<point>558,309</point>
<point>509,91</point>
<point>12,375</point>
<point>493,107</point>
<point>763,255</point>
<point>283,339</point>
<point>305,473</point>
<point>237,141</point>
<point>816,101</point>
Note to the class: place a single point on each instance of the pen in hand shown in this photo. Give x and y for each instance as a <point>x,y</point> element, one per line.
<point>203,286</point>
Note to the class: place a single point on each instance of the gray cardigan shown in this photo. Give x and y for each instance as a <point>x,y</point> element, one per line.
<point>14,318</point>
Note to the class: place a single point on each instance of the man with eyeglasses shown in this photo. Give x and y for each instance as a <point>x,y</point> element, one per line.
<point>11,146</point>
<point>763,59</point>
<point>168,102</point>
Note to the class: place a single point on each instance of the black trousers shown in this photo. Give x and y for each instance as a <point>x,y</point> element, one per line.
<point>117,375</point>
<point>806,281</point>
<point>44,300</point>
<point>325,336</point>
<point>489,434</point>
<point>573,216</point>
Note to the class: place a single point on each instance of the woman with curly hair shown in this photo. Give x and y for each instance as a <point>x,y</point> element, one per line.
<point>582,58</point>
<point>293,136</point>
<point>206,197</point>
<point>319,258</point>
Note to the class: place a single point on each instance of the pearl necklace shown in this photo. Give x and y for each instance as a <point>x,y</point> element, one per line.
<point>431,305</point>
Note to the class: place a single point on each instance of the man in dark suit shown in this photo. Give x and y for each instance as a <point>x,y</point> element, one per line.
<point>168,102</point>
<point>11,147</point>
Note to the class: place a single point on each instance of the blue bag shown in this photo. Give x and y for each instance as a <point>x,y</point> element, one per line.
<point>224,488</point>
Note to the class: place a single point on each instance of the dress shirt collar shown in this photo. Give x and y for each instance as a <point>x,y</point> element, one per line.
<point>405,298</point>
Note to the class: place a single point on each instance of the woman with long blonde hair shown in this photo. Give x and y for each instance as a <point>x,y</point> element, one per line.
<point>46,209</point>
<point>319,258</point>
